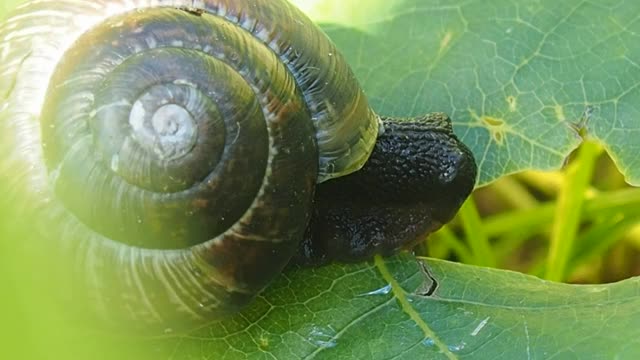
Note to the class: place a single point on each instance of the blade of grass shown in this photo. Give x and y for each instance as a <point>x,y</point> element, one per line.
<point>633,237</point>
<point>519,220</point>
<point>446,236</point>
<point>505,247</point>
<point>514,193</point>
<point>600,238</point>
<point>548,182</point>
<point>605,204</point>
<point>568,211</point>
<point>478,240</point>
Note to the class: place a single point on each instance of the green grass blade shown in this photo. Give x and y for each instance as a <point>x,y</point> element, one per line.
<point>568,211</point>
<point>478,240</point>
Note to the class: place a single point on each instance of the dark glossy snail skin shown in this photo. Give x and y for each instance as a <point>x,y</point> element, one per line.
<point>170,158</point>
<point>415,180</point>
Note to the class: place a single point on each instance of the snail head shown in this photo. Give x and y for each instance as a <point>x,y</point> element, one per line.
<point>415,180</point>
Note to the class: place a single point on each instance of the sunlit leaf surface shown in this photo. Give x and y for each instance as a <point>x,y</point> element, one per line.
<point>518,78</point>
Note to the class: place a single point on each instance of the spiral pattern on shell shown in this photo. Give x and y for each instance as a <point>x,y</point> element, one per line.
<point>171,154</point>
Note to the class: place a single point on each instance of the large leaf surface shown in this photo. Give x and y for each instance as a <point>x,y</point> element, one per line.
<point>516,77</point>
<point>385,310</point>
<point>380,311</point>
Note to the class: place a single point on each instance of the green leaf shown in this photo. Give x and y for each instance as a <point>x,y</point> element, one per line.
<point>378,311</point>
<point>517,78</point>
<point>382,310</point>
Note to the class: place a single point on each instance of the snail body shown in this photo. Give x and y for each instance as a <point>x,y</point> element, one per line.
<point>175,156</point>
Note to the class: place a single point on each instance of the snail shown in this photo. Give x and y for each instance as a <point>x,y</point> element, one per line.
<point>173,157</point>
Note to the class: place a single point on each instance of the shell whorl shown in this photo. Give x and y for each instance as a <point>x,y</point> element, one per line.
<point>174,196</point>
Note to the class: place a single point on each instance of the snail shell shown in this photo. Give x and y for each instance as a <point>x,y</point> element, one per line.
<point>166,152</point>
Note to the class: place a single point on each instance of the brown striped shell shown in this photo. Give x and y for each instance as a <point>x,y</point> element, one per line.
<point>168,151</point>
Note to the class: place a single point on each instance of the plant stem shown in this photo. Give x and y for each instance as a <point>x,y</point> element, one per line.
<point>568,210</point>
